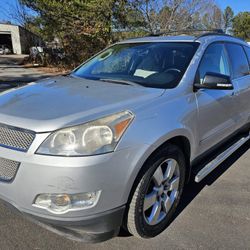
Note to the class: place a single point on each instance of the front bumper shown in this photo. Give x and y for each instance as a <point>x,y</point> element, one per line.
<point>111,173</point>
<point>91,229</point>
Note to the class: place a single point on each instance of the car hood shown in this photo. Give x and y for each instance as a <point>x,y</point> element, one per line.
<point>58,102</point>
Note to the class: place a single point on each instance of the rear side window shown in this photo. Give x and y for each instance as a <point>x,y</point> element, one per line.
<point>214,60</point>
<point>247,49</point>
<point>238,60</point>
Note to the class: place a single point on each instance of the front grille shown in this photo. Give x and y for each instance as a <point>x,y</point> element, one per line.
<point>15,138</point>
<point>8,169</point>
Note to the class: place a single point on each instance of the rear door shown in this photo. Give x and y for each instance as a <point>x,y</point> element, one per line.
<point>241,80</point>
<point>217,115</point>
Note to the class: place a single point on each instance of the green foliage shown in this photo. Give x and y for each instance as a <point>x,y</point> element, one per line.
<point>83,26</point>
<point>241,25</point>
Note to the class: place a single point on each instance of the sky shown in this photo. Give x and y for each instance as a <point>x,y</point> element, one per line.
<point>236,5</point>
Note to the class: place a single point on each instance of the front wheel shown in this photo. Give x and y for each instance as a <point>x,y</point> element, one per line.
<point>158,193</point>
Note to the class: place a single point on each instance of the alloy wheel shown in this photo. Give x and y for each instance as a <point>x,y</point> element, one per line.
<point>162,192</point>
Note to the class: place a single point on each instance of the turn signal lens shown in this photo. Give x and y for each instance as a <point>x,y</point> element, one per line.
<point>62,203</point>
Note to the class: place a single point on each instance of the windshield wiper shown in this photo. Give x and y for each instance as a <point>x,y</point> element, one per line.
<point>119,81</point>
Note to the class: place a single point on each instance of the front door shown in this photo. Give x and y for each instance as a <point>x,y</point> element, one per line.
<point>241,79</point>
<point>218,114</point>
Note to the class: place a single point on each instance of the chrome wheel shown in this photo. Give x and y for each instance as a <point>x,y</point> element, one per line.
<point>162,191</point>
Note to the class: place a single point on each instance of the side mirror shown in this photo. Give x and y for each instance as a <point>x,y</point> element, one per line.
<point>215,81</point>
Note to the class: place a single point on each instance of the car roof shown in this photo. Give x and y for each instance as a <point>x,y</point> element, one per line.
<point>160,39</point>
<point>183,38</point>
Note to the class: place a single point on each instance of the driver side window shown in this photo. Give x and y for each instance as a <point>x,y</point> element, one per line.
<point>215,60</point>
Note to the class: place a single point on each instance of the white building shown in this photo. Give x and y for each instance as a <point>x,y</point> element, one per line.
<point>17,39</point>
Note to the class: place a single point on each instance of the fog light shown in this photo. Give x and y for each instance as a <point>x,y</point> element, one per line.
<point>62,203</point>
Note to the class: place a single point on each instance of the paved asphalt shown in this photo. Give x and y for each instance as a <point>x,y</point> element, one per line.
<point>11,71</point>
<point>214,214</point>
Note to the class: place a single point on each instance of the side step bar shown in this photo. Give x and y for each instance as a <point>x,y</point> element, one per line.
<point>219,159</point>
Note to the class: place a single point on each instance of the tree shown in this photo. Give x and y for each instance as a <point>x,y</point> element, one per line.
<point>84,27</point>
<point>213,18</point>
<point>228,19</point>
<point>241,25</point>
<point>170,15</point>
<point>147,11</point>
<point>183,14</point>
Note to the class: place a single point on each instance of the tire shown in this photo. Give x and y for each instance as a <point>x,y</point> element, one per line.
<point>157,193</point>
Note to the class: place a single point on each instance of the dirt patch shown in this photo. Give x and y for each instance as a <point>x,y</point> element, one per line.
<point>53,70</point>
<point>49,69</point>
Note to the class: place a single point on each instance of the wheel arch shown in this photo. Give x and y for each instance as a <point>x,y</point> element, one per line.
<point>184,144</point>
<point>180,141</point>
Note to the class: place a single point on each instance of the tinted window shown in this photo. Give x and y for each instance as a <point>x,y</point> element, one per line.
<point>247,49</point>
<point>238,60</point>
<point>214,60</point>
<point>159,65</point>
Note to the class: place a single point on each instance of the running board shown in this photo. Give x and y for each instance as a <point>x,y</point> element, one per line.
<point>219,159</point>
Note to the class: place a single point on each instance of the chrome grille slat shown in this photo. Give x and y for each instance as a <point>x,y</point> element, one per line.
<point>16,138</point>
<point>8,169</point>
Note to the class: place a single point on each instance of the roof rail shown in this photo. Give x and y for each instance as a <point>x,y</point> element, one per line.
<point>218,33</point>
<point>188,31</point>
<point>213,34</point>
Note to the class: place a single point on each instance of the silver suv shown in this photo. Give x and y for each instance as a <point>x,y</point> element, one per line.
<point>113,143</point>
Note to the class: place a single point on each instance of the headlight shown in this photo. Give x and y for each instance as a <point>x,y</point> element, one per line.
<point>97,137</point>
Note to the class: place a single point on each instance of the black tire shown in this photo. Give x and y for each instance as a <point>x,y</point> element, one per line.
<point>136,221</point>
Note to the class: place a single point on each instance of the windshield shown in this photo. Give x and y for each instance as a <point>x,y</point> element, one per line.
<point>157,65</point>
